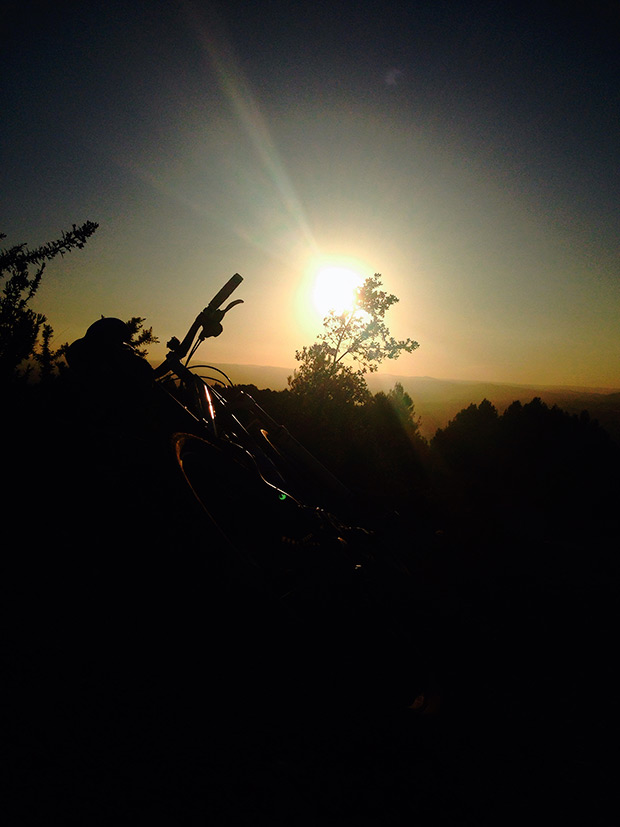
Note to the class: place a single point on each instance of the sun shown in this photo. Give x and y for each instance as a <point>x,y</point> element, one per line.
<point>335,289</point>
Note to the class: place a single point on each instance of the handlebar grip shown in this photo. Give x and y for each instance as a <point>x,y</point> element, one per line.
<point>225,292</point>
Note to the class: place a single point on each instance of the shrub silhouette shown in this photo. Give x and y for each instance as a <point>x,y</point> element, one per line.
<point>20,325</point>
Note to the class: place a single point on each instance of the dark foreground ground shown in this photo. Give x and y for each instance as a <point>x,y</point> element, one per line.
<point>151,679</point>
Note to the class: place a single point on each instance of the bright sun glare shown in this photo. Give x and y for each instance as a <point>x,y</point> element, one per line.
<point>334,289</point>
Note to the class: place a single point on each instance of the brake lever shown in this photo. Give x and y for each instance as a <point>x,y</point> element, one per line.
<point>231,305</point>
<point>211,320</point>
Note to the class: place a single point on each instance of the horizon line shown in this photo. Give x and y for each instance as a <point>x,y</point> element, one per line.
<point>501,383</point>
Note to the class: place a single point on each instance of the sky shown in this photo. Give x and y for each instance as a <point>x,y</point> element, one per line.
<point>468,152</point>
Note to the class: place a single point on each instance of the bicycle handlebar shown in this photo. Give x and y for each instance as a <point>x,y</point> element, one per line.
<point>209,320</point>
<point>220,297</point>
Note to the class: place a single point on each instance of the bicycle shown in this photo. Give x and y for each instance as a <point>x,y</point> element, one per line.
<point>274,504</point>
<point>230,432</point>
<point>235,421</point>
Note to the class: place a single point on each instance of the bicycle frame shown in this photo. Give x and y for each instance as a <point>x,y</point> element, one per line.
<point>213,420</point>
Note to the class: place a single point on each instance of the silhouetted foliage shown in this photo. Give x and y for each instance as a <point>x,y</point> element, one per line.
<point>141,337</point>
<point>532,469</point>
<point>20,325</point>
<point>390,455</point>
<point>320,377</point>
<point>470,441</point>
<point>47,359</point>
<point>360,336</point>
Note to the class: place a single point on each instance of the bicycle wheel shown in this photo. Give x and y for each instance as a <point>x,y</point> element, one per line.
<point>251,514</point>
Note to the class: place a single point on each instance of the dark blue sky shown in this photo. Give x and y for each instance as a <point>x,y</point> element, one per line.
<point>467,151</point>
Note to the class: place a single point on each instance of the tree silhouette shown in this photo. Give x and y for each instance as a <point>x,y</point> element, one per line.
<point>404,409</point>
<point>470,439</point>
<point>45,356</point>
<point>533,470</point>
<point>141,337</point>
<point>353,344</point>
<point>20,325</point>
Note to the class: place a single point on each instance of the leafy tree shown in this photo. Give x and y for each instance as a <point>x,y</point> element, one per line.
<point>353,344</point>
<point>20,325</point>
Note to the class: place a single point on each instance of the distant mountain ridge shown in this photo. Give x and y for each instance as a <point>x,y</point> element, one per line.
<point>437,401</point>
